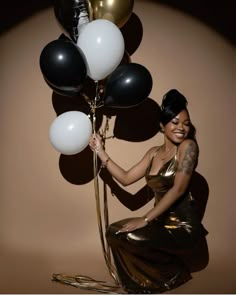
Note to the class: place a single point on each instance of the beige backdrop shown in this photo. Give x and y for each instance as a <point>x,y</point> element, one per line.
<point>47,224</point>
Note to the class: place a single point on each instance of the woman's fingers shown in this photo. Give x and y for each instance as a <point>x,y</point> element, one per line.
<point>131,226</point>
<point>94,143</point>
<point>127,228</point>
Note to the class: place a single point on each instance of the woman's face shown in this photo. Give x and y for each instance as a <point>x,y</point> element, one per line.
<point>178,128</point>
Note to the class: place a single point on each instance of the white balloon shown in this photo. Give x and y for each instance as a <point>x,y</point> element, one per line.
<point>102,44</point>
<point>70,132</point>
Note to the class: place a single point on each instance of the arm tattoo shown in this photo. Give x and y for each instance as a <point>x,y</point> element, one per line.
<point>189,159</point>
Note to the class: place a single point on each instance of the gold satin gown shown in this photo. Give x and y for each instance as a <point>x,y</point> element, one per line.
<point>157,258</point>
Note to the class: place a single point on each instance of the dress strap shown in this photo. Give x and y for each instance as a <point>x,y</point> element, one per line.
<point>153,156</point>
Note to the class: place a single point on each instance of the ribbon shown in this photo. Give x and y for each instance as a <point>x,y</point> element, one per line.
<point>85,282</point>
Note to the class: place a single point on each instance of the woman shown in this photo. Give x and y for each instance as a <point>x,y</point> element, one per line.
<point>148,250</point>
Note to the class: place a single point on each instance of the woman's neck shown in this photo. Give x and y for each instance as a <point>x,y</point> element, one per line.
<point>167,146</point>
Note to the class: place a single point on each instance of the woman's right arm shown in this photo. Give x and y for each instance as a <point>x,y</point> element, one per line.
<point>122,176</point>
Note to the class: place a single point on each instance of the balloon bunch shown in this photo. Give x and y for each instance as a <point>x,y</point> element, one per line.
<point>94,49</point>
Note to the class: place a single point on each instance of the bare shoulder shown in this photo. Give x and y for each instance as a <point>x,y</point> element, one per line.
<point>188,145</point>
<point>152,150</point>
<point>188,156</point>
<point>149,154</point>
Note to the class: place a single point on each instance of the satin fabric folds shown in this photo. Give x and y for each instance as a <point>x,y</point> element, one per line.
<point>162,255</point>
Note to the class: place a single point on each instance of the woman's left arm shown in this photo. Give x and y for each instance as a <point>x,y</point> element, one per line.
<point>187,159</point>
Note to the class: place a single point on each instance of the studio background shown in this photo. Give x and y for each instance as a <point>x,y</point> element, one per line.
<point>49,225</point>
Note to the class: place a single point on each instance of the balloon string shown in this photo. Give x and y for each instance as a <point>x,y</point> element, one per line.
<point>105,250</point>
<point>105,247</point>
<point>106,218</point>
<point>105,199</point>
<point>85,282</point>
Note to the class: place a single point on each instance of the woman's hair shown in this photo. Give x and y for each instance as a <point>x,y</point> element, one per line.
<point>173,103</point>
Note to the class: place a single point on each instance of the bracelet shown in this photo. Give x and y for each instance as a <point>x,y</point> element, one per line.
<point>104,164</point>
<point>146,219</point>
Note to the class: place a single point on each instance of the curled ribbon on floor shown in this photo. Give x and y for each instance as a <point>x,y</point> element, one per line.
<point>87,283</point>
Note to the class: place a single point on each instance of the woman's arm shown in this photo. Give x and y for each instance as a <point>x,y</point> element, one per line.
<point>122,176</point>
<point>131,201</point>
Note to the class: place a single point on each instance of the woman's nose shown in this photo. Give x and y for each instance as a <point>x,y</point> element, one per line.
<point>180,126</point>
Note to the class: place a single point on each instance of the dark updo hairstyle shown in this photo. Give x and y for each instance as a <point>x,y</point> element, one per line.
<point>173,103</point>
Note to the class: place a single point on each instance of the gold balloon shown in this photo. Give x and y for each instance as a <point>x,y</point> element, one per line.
<point>116,11</point>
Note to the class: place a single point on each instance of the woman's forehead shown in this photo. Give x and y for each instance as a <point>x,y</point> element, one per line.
<point>183,115</point>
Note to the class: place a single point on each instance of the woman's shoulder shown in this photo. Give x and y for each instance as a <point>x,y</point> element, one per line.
<point>153,149</point>
<point>188,144</point>
<point>150,153</point>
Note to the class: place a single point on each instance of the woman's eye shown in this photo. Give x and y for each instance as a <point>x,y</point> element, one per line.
<point>187,124</point>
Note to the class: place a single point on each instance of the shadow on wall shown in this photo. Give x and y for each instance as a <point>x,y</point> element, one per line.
<point>131,124</point>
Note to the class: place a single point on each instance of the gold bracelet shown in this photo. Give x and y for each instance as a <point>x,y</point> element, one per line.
<point>146,219</point>
<point>104,164</point>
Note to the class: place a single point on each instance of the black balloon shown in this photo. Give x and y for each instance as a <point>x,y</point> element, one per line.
<point>63,66</point>
<point>138,123</point>
<point>127,86</point>
<point>66,12</point>
<point>69,92</point>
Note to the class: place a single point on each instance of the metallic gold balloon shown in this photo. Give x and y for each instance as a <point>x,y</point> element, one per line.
<point>116,11</point>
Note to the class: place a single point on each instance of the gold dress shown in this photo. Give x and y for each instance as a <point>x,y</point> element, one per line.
<point>157,257</point>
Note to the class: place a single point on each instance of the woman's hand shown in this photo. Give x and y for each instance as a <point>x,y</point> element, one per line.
<point>132,225</point>
<point>95,143</point>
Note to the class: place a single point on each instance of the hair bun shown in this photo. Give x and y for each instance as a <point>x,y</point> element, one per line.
<point>174,99</point>
<point>173,103</point>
